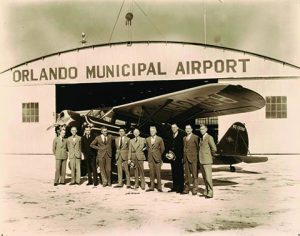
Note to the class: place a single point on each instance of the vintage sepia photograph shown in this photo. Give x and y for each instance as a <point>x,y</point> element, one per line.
<point>149,117</point>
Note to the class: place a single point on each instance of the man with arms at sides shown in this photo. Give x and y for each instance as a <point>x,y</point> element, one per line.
<point>206,152</point>
<point>137,157</point>
<point>89,156</point>
<point>155,146</point>
<point>60,152</point>
<point>190,160</point>
<point>122,147</point>
<point>175,146</point>
<point>102,144</point>
<point>74,148</point>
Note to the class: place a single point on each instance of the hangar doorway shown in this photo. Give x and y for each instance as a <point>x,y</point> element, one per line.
<point>78,97</point>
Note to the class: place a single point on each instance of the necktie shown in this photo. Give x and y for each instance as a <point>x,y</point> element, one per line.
<point>136,139</point>
<point>121,142</point>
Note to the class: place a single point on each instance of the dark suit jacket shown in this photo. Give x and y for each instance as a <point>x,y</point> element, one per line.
<point>103,149</point>
<point>191,148</point>
<point>122,152</point>
<point>86,146</point>
<point>207,149</point>
<point>176,146</point>
<point>155,150</point>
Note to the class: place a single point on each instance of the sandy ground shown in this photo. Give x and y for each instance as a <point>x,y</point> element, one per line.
<point>258,199</point>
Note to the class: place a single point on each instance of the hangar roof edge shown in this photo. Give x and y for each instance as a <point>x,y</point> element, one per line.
<point>148,42</point>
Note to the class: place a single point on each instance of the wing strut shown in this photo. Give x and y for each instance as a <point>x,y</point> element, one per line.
<point>150,116</point>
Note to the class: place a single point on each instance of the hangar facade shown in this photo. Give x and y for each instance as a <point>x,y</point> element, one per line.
<point>113,74</point>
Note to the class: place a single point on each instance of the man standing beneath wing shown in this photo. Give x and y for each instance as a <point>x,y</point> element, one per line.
<point>74,148</point>
<point>206,152</point>
<point>102,144</point>
<point>137,157</point>
<point>175,155</point>
<point>155,147</point>
<point>89,156</point>
<point>190,160</point>
<point>60,151</point>
<point>122,147</point>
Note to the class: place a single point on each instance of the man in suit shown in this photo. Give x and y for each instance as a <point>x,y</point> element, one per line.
<point>137,157</point>
<point>122,147</point>
<point>206,152</point>
<point>175,145</point>
<point>190,159</point>
<point>74,148</point>
<point>155,146</point>
<point>89,156</point>
<point>102,144</point>
<point>60,152</point>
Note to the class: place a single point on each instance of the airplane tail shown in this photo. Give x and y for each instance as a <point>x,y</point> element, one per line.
<point>235,141</point>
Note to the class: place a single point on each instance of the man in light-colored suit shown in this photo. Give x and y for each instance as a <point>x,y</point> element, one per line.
<point>74,149</point>
<point>190,160</point>
<point>206,152</point>
<point>155,146</point>
<point>122,147</point>
<point>102,144</point>
<point>137,156</point>
<point>60,151</point>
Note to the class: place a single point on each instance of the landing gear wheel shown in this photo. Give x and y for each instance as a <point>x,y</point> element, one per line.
<point>232,168</point>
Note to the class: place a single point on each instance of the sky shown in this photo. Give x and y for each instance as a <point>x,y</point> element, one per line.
<point>31,29</point>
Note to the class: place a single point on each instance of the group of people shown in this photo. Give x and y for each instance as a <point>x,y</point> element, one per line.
<point>185,153</point>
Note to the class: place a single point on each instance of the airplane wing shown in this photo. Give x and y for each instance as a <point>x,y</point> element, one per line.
<point>229,159</point>
<point>202,101</point>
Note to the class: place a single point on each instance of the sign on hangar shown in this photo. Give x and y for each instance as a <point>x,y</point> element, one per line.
<point>140,61</point>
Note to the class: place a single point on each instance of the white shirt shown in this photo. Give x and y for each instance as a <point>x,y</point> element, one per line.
<point>153,139</point>
<point>175,135</point>
<point>104,138</point>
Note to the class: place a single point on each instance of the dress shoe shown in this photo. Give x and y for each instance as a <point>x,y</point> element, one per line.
<point>109,185</point>
<point>143,188</point>
<point>136,187</point>
<point>55,184</point>
<point>95,184</point>
<point>78,183</point>
<point>104,185</point>
<point>63,183</point>
<point>128,187</point>
<point>208,196</point>
<point>118,186</point>
<point>159,190</point>
<point>150,189</point>
<point>184,192</point>
<point>172,190</point>
<point>89,183</point>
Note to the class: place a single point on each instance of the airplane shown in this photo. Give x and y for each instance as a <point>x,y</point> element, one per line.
<point>178,107</point>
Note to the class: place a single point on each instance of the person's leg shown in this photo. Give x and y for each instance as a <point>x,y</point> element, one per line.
<point>72,167</point>
<point>180,176</point>
<point>108,169</point>
<point>87,161</point>
<point>208,177</point>
<point>174,176</point>
<point>194,171</point>
<point>126,170</point>
<point>158,175</point>
<point>102,171</point>
<point>78,170</point>
<point>57,171</point>
<point>141,173</point>
<point>63,171</point>
<point>152,175</point>
<point>94,169</point>
<point>186,177</point>
<point>120,171</point>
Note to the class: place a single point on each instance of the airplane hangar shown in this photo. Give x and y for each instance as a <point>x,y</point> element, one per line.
<point>92,77</point>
